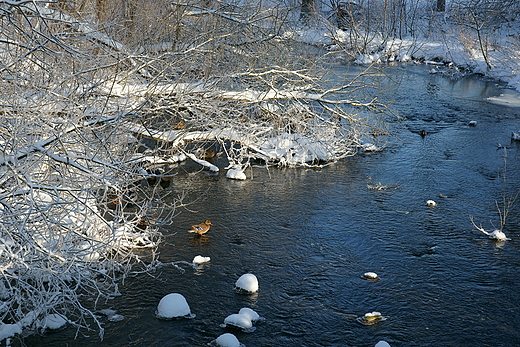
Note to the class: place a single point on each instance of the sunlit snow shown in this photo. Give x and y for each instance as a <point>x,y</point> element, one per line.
<point>173,305</point>
<point>200,259</point>
<point>239,321</point>
<point>227,340</point>
<point>247,283</point>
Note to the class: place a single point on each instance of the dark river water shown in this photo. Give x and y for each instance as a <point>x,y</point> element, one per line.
<point>310,235</point>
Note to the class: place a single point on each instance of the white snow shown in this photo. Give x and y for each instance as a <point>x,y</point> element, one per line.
<point>236,174</point>
<point>373,314</point>
<point>200,259</point>
<point>498,235</point>
<point>53,321</point>
<point>239,321</point>
<point>251,314</point>
<point>227,340</point>
<point>204,163</point>
<point>370,275</point>
<point>9,330</point>
<point>248,283</point>
<point>173,305</point>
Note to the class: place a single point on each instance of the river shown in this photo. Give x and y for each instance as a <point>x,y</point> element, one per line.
<point>310,235</point>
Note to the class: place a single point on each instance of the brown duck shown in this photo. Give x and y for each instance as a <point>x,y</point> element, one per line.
<point>201,228</point>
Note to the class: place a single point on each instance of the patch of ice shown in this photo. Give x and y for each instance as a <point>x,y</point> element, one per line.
<point>116,318</point>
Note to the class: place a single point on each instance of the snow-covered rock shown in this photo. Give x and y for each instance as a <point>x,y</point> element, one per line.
<point>240,321</point>
<point>236,174</point>
<point>227,340</point>
<point>251,314</point>
<point>247,283</point>
<point>370,275</point>
<point>200,259</point>
<point>173,305</point>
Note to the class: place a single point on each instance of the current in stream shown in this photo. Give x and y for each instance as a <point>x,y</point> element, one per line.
<point>310,235</point>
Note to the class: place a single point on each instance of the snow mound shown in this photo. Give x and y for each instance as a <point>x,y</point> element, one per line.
<point>173,305</point>
<point>236,174</point>
<point>227,340</point>
<point>53,321</point>
<point>200,259</point>
<point>239,321</point>
<point>9,330</point>
<point>249,313</point>
<point>370,275</point>
<point>247,283</point>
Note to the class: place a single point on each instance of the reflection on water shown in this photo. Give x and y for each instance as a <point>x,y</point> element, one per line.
<point>310,235</point>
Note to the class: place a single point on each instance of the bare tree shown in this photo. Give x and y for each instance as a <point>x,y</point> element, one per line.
<point>96,106</point>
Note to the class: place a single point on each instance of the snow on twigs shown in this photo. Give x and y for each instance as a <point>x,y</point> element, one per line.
<point>204,163</point>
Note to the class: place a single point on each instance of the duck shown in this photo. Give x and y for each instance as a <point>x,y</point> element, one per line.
<point>423,133</point>
<point>201,228</point>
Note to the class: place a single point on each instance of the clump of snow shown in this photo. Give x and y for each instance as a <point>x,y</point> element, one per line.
<point>247,283</point>
<point>498,235</point>
<point>236,174</point>
<point>243,320</point>
<point>204,163</point>
<point>239,321</point>
<point>173,305</point>
<point>227,340</point>
<point>370,147</point>
<point>371,318</point>
<point>53,321</point>
<point>370,275</point>
<point>9,330</point>
<point>251,314</point>
<point>382,344</point>
<point>200,259</point>
<point>431,203</point>
<point>295,149</point>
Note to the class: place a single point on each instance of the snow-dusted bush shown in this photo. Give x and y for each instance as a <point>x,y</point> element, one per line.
<point>92,130</point>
